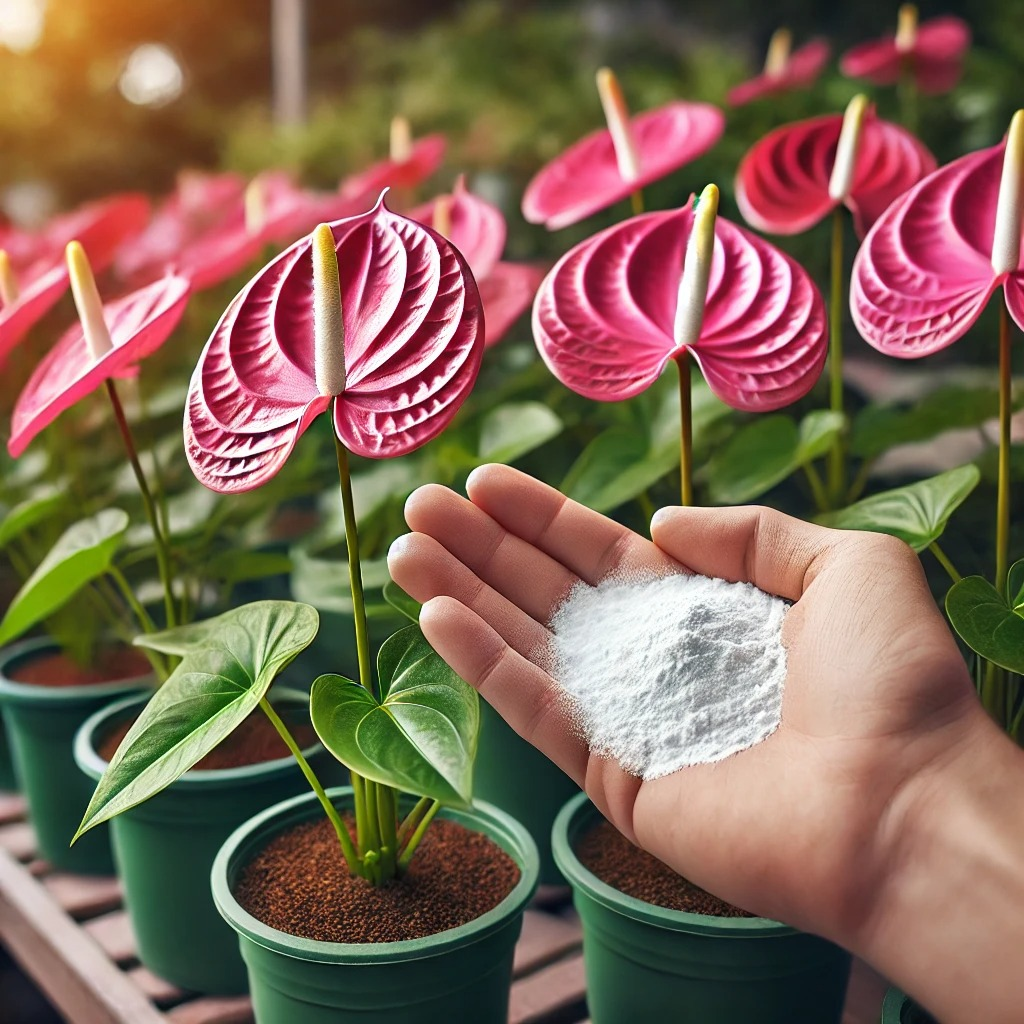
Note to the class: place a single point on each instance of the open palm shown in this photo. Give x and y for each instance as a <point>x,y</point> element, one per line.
<point>800,827</point>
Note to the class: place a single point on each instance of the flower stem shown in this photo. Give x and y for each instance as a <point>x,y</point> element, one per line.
<point>837,453</point>
<point>685,427</point>
<point>162,554</point>
<point>817,487</point>
<point>943,560</point>
<point>636,201</point>
<point>344,839</point>
<point>1005,414</point>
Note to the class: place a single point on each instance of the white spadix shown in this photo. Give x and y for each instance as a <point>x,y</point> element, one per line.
<point>328,324</point>
<point>87,301</point>
<point>843,169</point>
<point>8,282</point>
<point>616,113</point>
<point>1010,205</point>
<point>693,286</point>
<point>778,52</point>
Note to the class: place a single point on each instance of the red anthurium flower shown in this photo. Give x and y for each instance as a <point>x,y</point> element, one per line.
<point>930,264</point>
<point>108,341</point>
<point>617,307</point>
<point>477,229</point>
<point>376,314</point>
<point>610,165</point>
<point>932,52</point>
<point>33,275</point>
<point>409,164</point>
<point>199,232</point>
<point>799,173</point>
<point>783,70</point>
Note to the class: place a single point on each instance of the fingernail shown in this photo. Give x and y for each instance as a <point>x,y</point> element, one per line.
<point>399,547</point>
<point>659,517</point>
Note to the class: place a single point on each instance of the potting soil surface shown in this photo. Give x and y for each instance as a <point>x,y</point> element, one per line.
<point>253,742</point>
<point>299,884</point>
<point>54,668</point>
<point>623,866</point>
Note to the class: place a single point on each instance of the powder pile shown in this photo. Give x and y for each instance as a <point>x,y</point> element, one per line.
<point>673,671</point>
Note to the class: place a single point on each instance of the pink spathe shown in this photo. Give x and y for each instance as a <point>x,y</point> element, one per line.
<point>924,273</point>
<point>586,178</point>
<point>423,160</point>
<point>782,185</point>
<point>802,68</point>
<point>413,341</point>
<point>138,324</point>
<point>604,317</point>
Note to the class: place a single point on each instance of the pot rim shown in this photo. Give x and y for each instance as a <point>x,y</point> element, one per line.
<point>568,825</point>
<point>89,761</point>
<point>14,692</point>
<point>892,1006</point>
<point>504,830</point>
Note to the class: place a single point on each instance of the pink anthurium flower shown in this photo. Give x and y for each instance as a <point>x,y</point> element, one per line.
<point>33,275</point>
<point>376,315</point>
<point>477,229</point>
<point>796,175</point>
<point>410,163</point>
<point>615,309</point>
<point>933,260</point>
<point>106,342</point>
<point>610,165</point>
<point>199,232</point>
<point>932,53</point>
<point>280,212</point>
<point>783,70</point>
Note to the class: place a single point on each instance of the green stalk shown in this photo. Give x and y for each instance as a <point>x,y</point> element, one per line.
<point>388,831</point>
<point>817,487</point>
<point>414,840</point>
<point>685,427</point>
<point>359,804</point>
<point>906,88</point>
<point>344,839</point>
<point>1005,414</point>
<point>943,560</point>
<point>412,819</point>
<point>162,554</point>
<point>636,201</point>
<point>837,453</point>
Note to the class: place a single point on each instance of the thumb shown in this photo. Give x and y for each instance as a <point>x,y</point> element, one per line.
<point>775,552</point>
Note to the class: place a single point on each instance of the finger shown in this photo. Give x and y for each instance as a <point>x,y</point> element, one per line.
<point>587,543</point>
<point>526,576</point>
<point>523,694</point>
<point>425,570</point>
<point>775,552</point>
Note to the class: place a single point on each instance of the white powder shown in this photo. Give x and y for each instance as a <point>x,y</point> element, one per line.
<point>665,673</point>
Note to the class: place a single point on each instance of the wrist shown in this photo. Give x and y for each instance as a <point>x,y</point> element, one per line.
<point>947,920</point>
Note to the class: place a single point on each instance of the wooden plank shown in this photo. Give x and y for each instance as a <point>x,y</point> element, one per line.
<point>550,897</point>
<point>545,937</point>
<point>83,896</point>
<point>66,964</point>
<point>213,1010</point>
<point>161,992</point>
<point>12,807</point>
<point>113,934</point>
<point>19,840</point>
<point>552,992</point>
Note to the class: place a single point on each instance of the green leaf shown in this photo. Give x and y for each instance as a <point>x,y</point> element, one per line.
<point>986,623</point>
<point>227,665</point>
<point>26,514</point>
<point>236,565</point>
<point>516,428</point>
<point>83,552</point>
<point>1015,586</point>
<point>323,582</point>
<point>768,450</point>
<point>876,428</point>
<point>421,738</point>
<point>401,601</point>
<point>917,513</point>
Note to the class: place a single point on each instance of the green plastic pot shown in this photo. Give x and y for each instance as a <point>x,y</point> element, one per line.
<point>898,1008</point>
<point>513,775</point>
<point>165,848</point>
<point>41,723</point>
<point>8,780</point>
<point>462,974</point>
<point>647,963</point>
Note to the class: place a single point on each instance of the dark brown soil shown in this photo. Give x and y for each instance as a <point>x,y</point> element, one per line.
<point>299,884</point>
<point>618,863</point>
<point>253,742</point>
<point>56,669</point>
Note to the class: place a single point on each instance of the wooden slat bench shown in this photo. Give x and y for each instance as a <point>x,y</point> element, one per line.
<point>72,936</point>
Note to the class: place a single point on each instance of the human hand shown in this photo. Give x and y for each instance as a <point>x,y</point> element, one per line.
<point>810,825</point>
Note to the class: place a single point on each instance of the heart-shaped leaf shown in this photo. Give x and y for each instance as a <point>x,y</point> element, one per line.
<point>917,513</point>
<point>515,429</point>
<point>26,514</point>
<point>986,622</point>
<point>83,552</point>
<point>227,665</point>
<point>765,452</point>
<point>421,738</point>
<point>1015,587</point>
<point>401,601</point>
